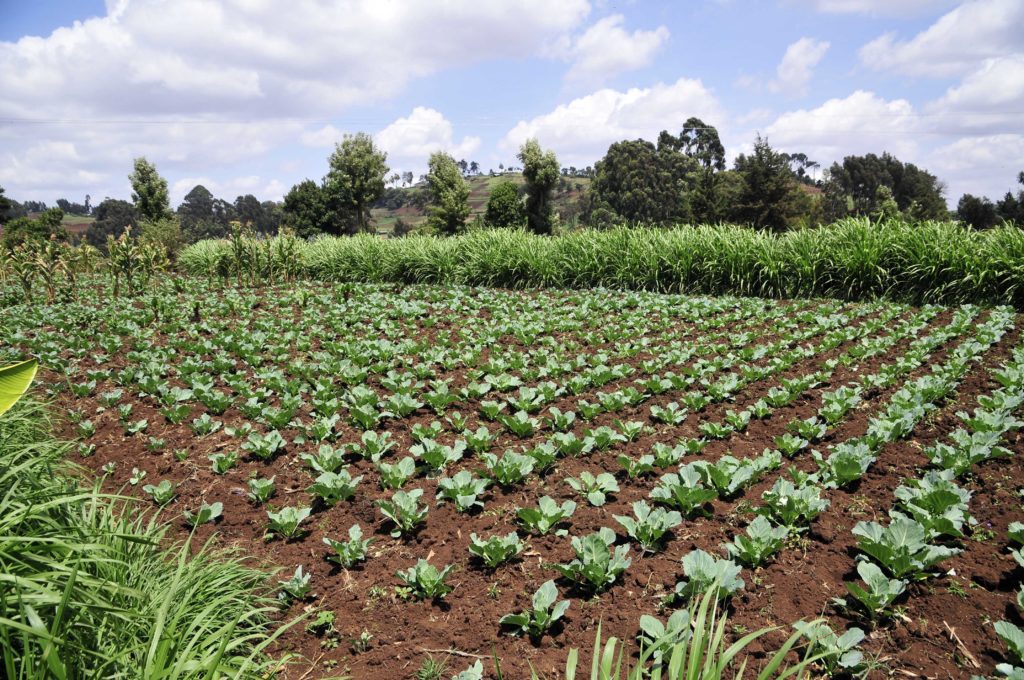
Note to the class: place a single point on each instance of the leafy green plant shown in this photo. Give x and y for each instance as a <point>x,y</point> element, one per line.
<point>878,592</point>
<point>794,506</point>
<point>761,541</point>
<point>901,548</point>
<point>598,564</point>
<point>706,573</point>
<point>496,550</point>
<point>835,651</point>
<point>463,489</point>
<point>546,515</point>
<point>264,446</point>
<point>649,526</point>
<point>395,475</point>
<point>404,511</point>
<point>162,493</point>
<point>542,615</point>
<point>508,470</point>
<point>333,487</point>
<point>261,489</point>
<point>425,581</point>
<point>684,491</point>
<point>351,552</point>
<point>222,462</point>
<point>936,502</point>
<point>287,522</point>
<point>206,513</point>
<point>594,489</point>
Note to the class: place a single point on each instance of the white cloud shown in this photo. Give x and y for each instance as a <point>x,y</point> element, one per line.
<point>974,165</point>
<point>988,100</point>
<point>327,136</point>
<point>955,44</point>
<point>797,66</point>
<point>209,84</point>
<point>409,141</point>
<point>581,131</point>
<point>878,7</point>
<point>860,123</point>
<point>606,49</point>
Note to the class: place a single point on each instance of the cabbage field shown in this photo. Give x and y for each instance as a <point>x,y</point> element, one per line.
<point>482,478</point>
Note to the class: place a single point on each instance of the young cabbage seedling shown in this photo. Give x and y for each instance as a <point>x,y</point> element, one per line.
<point>349,553</point>
<point>542,616</point>
<point>594,489</point>
<point>205,513</point>
<point>288,520</point>
<point>649,526</point>
<point>463,489</point>
<point>163,493</point>
<point>404,511</point>
<point>426,581</point>
<point>496,550</point>
<point>597,564</point>
<point>546,515</point>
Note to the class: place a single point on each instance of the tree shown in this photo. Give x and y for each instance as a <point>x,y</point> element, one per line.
<point>23,230</point>
<point>1011,208</point>
<point>449,194</point>
<point>307,211</point>
<point>247,209</point>
<point>637,181</point>
<point>852,187</point>
<point>979,213</point>
<point>355,180</point>
<point>203,216</point>
<point>474,168</point>
<point>6,207</point>
<point>113,216</point>
<point>769,198</point>
<point>799,163</point>
<point>540,170</point>
<point>700,143</point>
<point>149,191</point>
<point>504,206</point>
<point>166,233</point>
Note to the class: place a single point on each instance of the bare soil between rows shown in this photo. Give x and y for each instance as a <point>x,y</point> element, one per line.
<point>799,583</point>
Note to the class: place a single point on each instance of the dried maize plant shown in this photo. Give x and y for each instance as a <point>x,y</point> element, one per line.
<point>125,261</point>
<point>241,251</point>
<point>23,267</point>
<point>288,254</point>
<point>51,260</point>
<point>153,260</point>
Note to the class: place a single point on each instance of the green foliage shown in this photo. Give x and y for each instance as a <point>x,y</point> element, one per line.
<point>463,489</point>
<point>706,573</point>
<point>541,172</point>
<point>902,547</point>
<point>404,511</point>
<point>351,552</point>
<point>505,208</point>
<point>761,541</point>
<point>543,614</point>
<point>926,262</point>
<point>205,514</point>
<point>595,489</point>
<point>287,521</point>
<point>598,562</point>
<point>355,180</point>
<point>649,526</point>
<point>546,515</point>
<point>449,195</point>
<point>149,191</point>
<point>878,592</point>
<point>426,581</point>
<point>496,550</point>
<point>770,195</point>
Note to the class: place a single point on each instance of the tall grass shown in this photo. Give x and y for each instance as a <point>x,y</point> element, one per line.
<point>940,262</point>
<point>87,591</point>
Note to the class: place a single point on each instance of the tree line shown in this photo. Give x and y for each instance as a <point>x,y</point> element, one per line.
<point>679,178</point>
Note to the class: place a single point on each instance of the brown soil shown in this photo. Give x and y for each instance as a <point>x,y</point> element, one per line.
<point>799,583</point>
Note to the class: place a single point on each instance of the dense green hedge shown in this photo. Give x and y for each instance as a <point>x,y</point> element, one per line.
<point>853,259</point>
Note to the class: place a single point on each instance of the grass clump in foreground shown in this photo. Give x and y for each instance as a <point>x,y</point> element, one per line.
<point>853,259</point>
<point>695,649</point>
<point>88,591</point>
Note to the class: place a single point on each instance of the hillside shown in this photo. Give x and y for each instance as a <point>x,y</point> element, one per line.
<point>409,203</point>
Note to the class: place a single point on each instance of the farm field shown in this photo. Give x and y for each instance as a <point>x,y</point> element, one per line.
<point>626,446</point>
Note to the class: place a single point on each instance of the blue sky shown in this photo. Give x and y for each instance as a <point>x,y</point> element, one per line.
<point>249,96</point>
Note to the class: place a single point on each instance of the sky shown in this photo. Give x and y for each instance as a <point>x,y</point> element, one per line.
<point>250,96</point>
